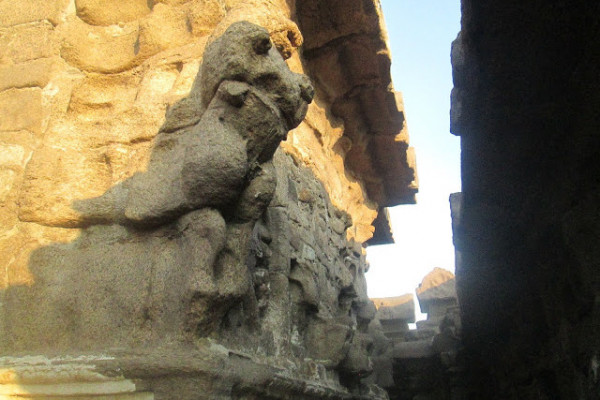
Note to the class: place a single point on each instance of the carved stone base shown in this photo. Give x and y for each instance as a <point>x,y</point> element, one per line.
<point>209,371</point>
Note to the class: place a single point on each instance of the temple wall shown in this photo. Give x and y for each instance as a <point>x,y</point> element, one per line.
<point>85,88</point>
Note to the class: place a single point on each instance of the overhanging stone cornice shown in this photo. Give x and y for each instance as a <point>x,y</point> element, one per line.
<point>347,55</point>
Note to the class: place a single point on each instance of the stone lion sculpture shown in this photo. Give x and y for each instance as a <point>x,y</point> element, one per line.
<point>182,271</point>
<point>216,146</point>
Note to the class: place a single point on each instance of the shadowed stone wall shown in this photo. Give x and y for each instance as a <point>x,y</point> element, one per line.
<point>526,104</point>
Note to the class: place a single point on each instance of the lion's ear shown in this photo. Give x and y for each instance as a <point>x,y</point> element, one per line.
<point>262,43</point>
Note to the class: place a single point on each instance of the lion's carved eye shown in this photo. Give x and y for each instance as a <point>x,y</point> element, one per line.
<point>262,45</point>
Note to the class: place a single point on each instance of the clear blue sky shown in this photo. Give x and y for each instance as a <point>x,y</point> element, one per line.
<point>420,33</point>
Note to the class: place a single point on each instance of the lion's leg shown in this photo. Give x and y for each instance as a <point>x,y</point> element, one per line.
<point>156,197</point>
<point>258,194</point>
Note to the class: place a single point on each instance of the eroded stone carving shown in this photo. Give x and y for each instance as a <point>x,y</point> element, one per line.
<point>215,148</point>
<point>208,181</point>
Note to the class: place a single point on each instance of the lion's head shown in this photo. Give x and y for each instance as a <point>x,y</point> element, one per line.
<point>244,53</point>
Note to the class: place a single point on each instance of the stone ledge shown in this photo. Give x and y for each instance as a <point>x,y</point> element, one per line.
<point>396,308</point>
<point>347,55</point>
<point>351,64</point>
<point>416,349</point>
<point>165,374</point>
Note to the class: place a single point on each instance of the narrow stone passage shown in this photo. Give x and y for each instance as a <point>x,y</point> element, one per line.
<point>188,188</point>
